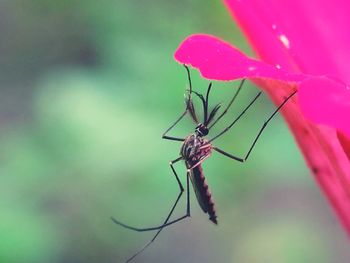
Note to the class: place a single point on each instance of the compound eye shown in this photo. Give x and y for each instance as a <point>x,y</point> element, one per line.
<point>204,130</point>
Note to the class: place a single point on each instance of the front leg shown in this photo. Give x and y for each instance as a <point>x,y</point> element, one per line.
<point>172,126</point>
<point>258,134</point>
<point>189,109</point>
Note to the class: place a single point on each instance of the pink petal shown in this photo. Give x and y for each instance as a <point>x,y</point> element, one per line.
<point>219,60</point>
<point>309,36</point>
<point>345,142</point>
<point>326,101</point>
<point>323,100</point>
<point>323,150</point>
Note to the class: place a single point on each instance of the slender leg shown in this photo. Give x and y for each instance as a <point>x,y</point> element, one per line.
<point>206,103</point>
<point>189,107</point>
<point>166,223</point>
<point>172,126</point>
<point>189,78</point>
<point>239,116</point>
<point>168,217</point>
<point>229,105</point>
<point>158,232</point>
<point>257,136</point>
<point>189,103</point>
<point>228,155</point>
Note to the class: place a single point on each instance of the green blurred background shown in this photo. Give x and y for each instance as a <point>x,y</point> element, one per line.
<point>87,89</point>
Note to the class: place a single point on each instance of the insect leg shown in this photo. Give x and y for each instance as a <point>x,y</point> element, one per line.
<point>169,215</point>
<point>258,135</point>
<point>172,126</point>
<point>229,105</point>
<point>229,155</point>
<point>189,78</point>
<point>166,223</point>
<point>239,116</point>
<point>206,103</point>
<point>189,108</point>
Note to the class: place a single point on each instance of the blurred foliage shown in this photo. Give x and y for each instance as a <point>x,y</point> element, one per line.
<point>87,89</point>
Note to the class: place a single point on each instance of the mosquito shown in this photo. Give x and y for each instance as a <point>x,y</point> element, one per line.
<point>195,149</point>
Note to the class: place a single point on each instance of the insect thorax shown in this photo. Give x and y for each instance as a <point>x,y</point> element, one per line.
<point>195,148</point>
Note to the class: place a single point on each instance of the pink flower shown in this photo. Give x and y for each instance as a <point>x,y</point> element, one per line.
<point>303,45</point>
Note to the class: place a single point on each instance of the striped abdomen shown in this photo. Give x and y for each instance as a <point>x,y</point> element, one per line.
<point>202,192</point>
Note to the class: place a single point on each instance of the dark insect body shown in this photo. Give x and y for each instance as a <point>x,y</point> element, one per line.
<point>195,149</point>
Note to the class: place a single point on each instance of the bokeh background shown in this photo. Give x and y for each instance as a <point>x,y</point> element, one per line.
<point>87,89</point>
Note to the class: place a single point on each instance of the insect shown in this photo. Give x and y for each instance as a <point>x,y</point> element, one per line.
<point>195,149</point>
